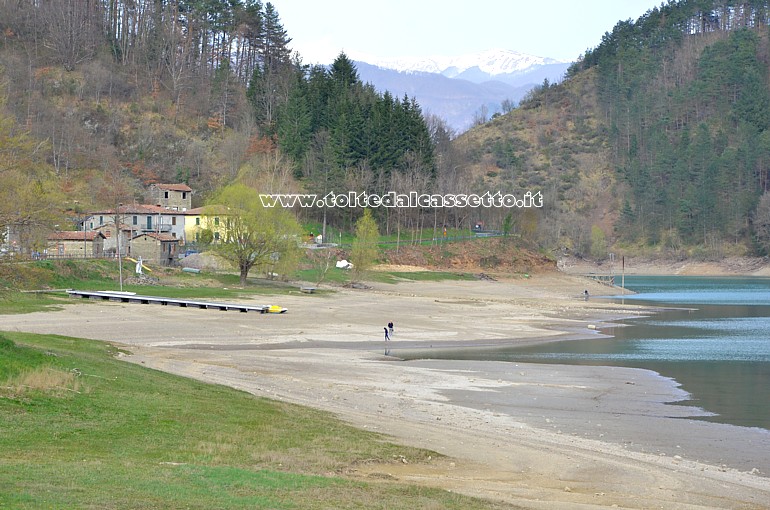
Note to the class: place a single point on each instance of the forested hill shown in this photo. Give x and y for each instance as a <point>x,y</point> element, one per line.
<point>658,137</point>
<point>100,99</point>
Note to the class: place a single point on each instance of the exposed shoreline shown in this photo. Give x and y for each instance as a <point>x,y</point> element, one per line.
<point>534,435</point>
<point>727,266</point>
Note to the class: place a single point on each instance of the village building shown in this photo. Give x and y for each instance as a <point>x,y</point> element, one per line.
<point>142,219</point>
<point>165,218</point>
<point>205,221</point>
<point>177,197</point>
<point>155,248</point>
<point>74,244</point>
<point>111,240</point>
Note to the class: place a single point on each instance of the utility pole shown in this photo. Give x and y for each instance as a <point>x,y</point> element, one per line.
<point>117,244</point>
<point>623,276</point>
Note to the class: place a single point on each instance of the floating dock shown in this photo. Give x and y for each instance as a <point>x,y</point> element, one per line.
<point>130,297</point>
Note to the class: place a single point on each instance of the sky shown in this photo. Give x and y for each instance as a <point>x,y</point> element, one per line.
<point>370,30</point>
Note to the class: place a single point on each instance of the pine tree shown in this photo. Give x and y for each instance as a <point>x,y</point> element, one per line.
<point>343,74</point>
<point>294,128</point>
<point>275,44</point>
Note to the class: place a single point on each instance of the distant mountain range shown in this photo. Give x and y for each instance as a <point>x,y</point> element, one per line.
<point>458,88</point>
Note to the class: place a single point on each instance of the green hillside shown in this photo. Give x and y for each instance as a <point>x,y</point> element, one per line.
<point>657,141</point>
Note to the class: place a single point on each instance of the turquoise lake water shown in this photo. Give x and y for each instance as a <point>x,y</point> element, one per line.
<point>715,343</point>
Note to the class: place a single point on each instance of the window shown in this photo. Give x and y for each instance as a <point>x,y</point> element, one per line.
<point>149,222</point>
<point>197,222</point>
<point>165,195</point>
<point>101,220</point>
<point>136,220</point>
<point>173,220</point>
<point>216,236</point>
<point>184,195</point>
<point>216,222</point>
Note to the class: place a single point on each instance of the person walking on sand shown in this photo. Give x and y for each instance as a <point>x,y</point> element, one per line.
<point>387,338</point>
<point>390,328</point>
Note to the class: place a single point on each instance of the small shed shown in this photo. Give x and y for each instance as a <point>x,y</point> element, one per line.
<point>155,248</point>
<point>73,244</point>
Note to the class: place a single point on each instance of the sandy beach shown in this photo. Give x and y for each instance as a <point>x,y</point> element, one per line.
<point>531,435</point>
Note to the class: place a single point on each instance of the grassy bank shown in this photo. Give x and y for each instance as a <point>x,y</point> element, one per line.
<point>82,429</point>
<point>18,279</point>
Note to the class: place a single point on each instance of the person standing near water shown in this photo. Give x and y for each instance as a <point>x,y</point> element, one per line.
<point>387,339</point>
<point>390,328</point>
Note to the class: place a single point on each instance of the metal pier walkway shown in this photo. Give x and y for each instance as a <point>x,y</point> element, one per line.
<point>607,279</point>
<point>129,297</point>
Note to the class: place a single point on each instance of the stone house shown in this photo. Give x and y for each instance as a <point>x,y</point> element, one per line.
<point>73,244</point>
<point>158,248</point>
<point>177,197</point>
<point>111,240</point>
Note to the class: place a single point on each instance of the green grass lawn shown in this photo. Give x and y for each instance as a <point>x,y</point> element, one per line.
<point>82,429</point>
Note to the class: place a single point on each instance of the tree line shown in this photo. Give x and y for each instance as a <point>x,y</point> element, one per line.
<point>161,36</point>
<point>342,135</point>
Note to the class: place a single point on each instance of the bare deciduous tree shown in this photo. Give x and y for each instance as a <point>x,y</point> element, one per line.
<point>71,30</point>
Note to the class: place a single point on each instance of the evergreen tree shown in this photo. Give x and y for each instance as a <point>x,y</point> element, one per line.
<point>294,129</point>
<point>343,74</point>
<point>275,45</point>
<point>257,96</point>
<point>361,130</point>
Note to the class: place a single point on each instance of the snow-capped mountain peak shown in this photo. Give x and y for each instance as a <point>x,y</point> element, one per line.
<point>457,88</point>
<point>492,62</point>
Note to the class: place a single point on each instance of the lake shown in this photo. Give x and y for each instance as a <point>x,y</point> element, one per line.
<point>713,339</point>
